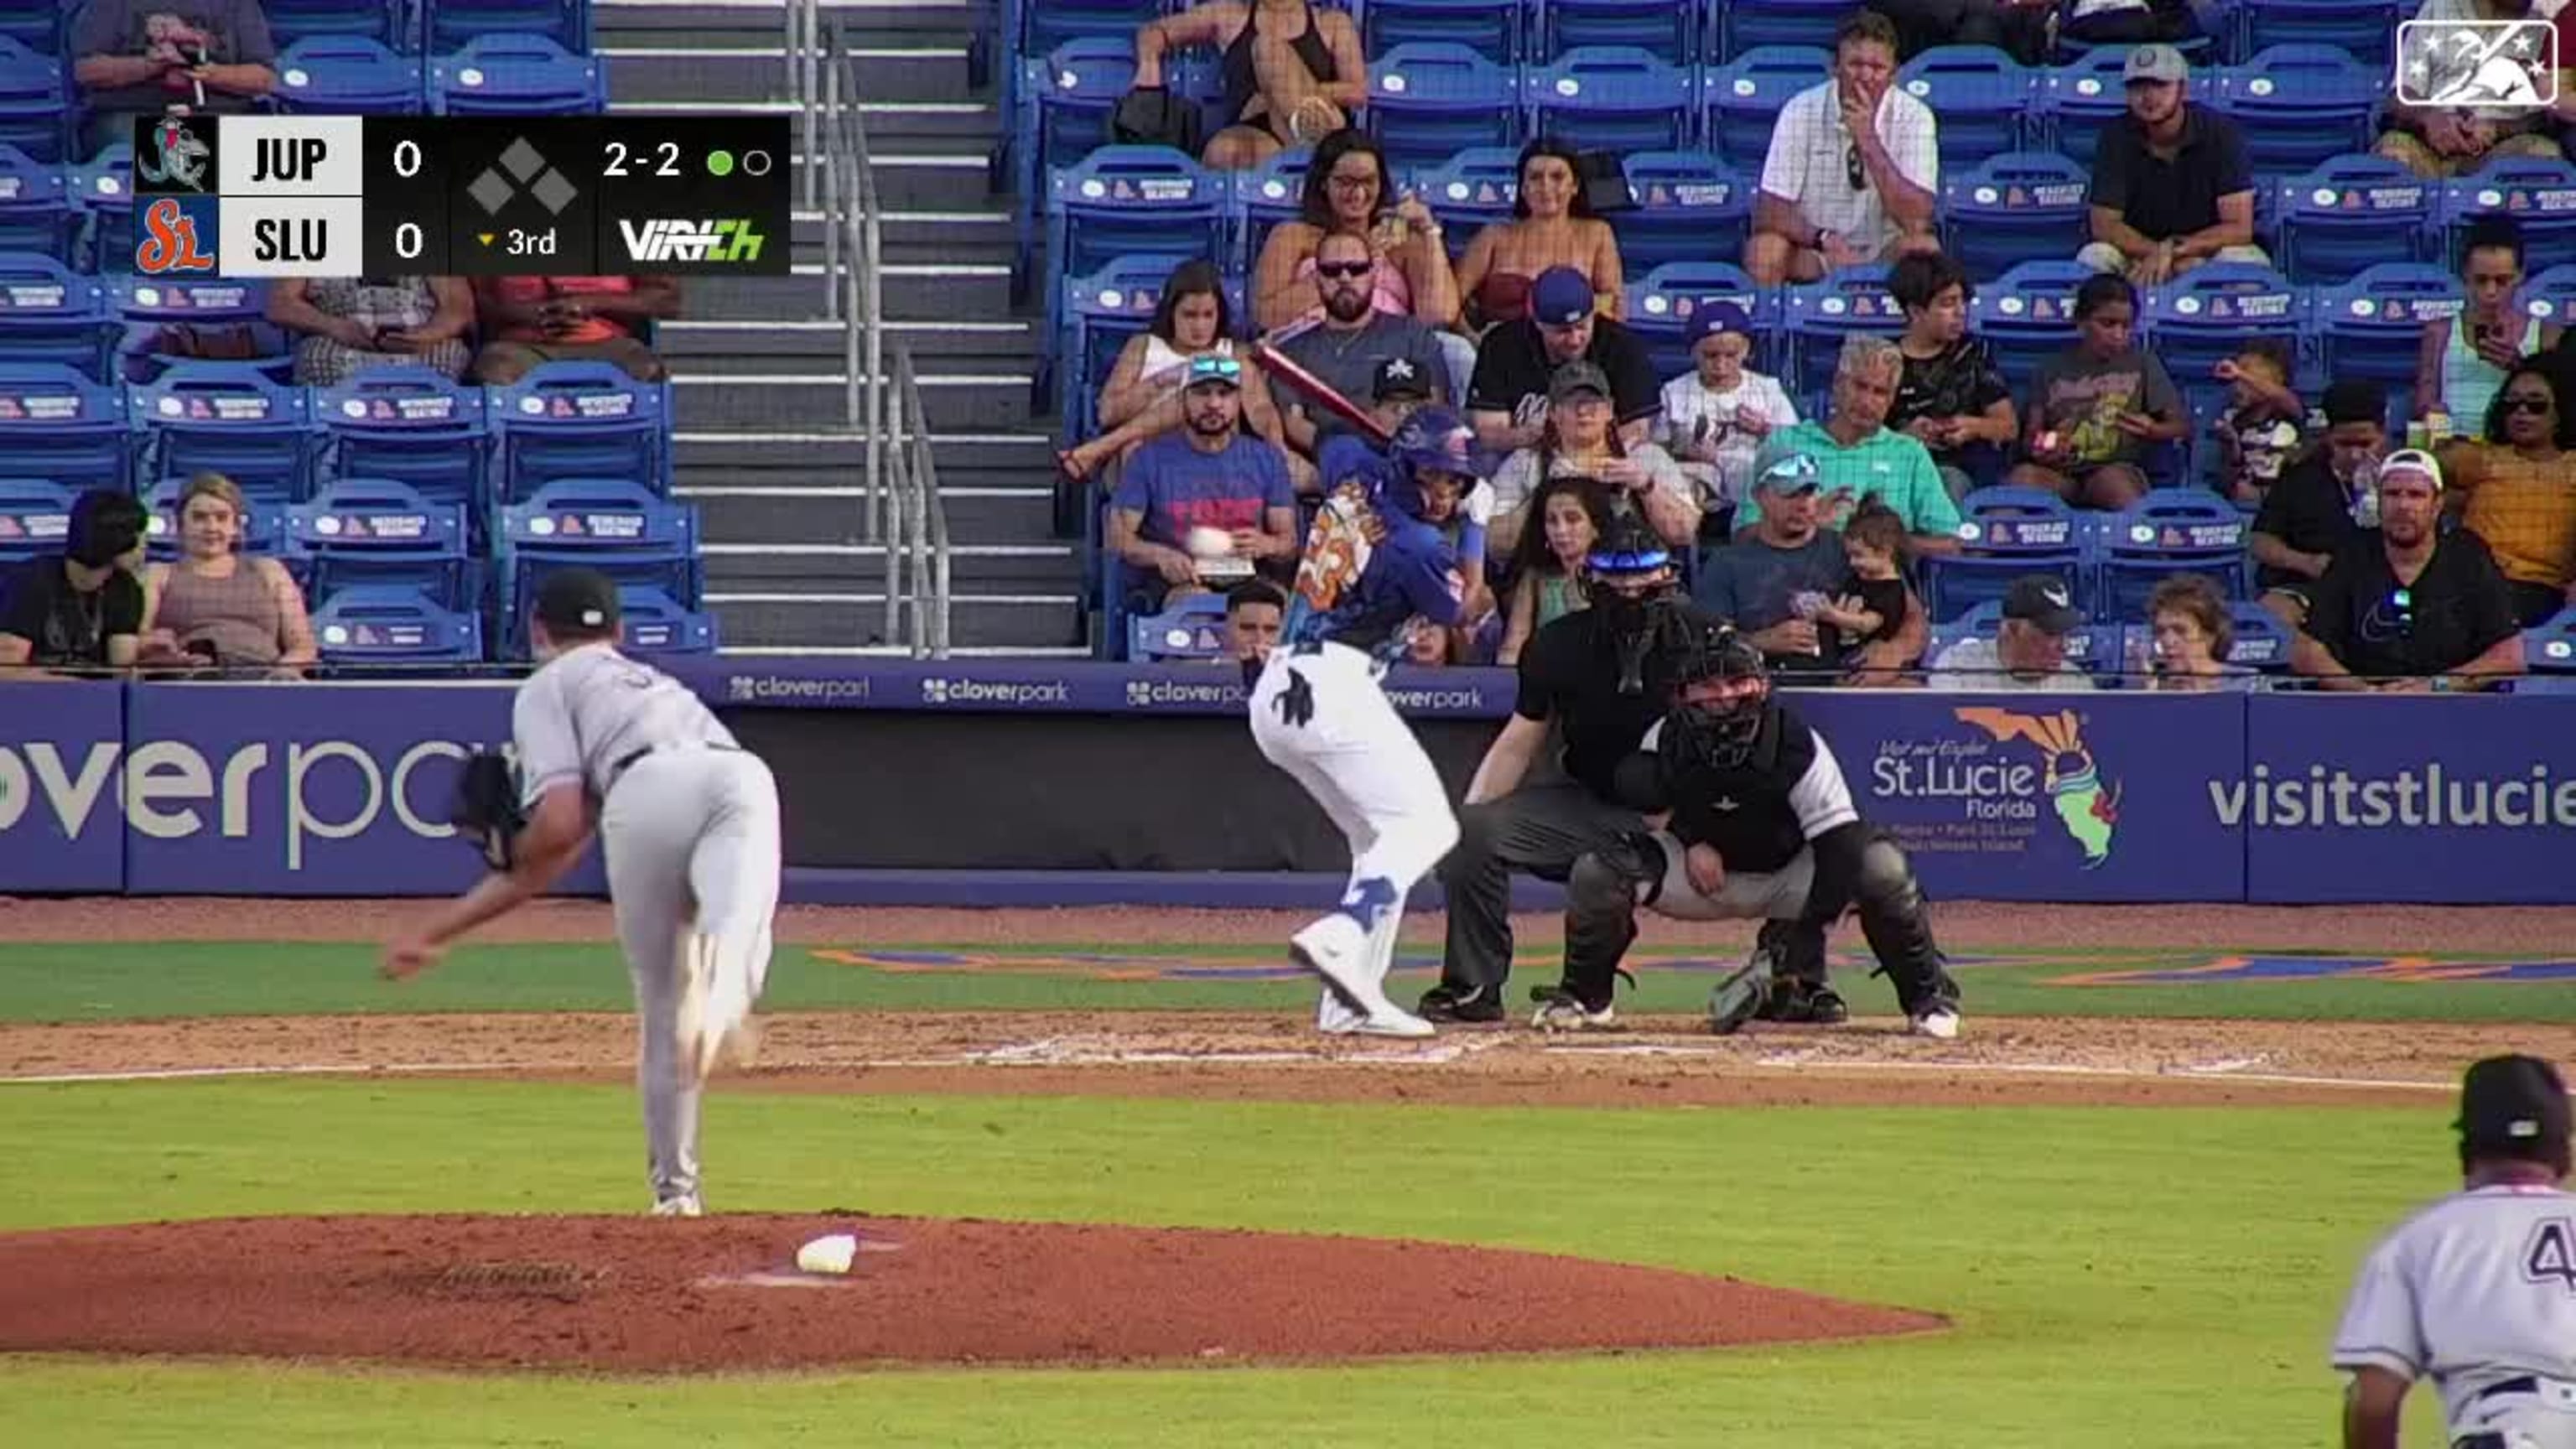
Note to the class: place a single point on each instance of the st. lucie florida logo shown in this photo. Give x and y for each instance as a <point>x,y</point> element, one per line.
<point>2088,809</point>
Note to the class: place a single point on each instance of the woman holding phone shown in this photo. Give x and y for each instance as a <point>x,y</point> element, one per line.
<point>345,325</point>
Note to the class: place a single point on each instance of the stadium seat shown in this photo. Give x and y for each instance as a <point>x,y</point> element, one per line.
<point>1190,629</point>
<point>2207,315</point>
<point>348,75</point>
<point>48,313</point>
<point>394,626</point>
<point>2364,29</point>
<point>35,104</point>
<point>653,622</point>
<point>1101,312</point>
<point>2550,295</point>
<point>1269,194</point>
<point>1819,315</point>
<point>228,418</point>
<point>2548,647</point>
<point>1690,206</point>
<point>103,189</point>
<point>1065,100</point>
<point>2092,646</point>
<point>1981,95</point>
<point>1123,202</point>
<point>516,75</point>
<point>2539,196</point>
<point>2369,327</point>
<point>411,426</point>
<point>1670,29</point>
<point>34,516</point>
<point>2079,99</point>
<point>1430,100</point>
<point>450,24</point>
<point>147,307</point>
<point>2300,106</point>
<point>1611,98</point>
<point>2027,316</point>
<point>294,22</point>
<point>2171,531</point>
<point>2005,533</point>
<point>616,527</point>
<point>370,532</point>
<point>2350,213</point>
<point>39,25</point>
<point>579,420</point>
<point>37,213</point>
<point>2024,206</point>
<point>1499,30</point>
<point>1743,98</point>
<point>1660,308</point>
<point>57,424</point>
<point>1037,27</point>
<point>1471,189</point>
<point>263,527</point>
<point>1745,25</point>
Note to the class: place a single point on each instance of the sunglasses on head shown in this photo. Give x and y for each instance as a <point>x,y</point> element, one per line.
<point>1344,269</point>
<point>1211,369</point>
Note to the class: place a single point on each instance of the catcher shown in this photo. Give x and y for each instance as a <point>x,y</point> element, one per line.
<point>1749,818</point>
<point>689,823</point>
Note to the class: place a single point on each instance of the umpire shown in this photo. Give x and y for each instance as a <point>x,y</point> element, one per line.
<point>1594,680</point>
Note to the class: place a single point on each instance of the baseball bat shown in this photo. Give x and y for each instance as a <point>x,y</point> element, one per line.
<point>1321,393</point>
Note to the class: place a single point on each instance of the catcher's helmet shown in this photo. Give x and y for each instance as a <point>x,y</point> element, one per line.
<point>1715,717</point>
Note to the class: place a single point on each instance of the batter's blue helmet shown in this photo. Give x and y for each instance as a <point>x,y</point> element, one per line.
<point>1434,440</point>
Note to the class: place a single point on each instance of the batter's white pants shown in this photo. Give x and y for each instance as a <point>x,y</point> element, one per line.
<point>691,840</point>
<point>1362,764</point>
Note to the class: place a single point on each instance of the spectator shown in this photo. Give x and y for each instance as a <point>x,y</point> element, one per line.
<point>1396,389</point>
<point>1770,581</point>
<point>1860,457</point>
<point>1142,397</point>
<point>1346,190</point>
<point>2096,407</point>
<point>81,612</point>
<point>144,57</point>
<point>1951,399</point>
<point>344,325</point>
<point>1877,628</point>
<point>2519,488</point>
<point>215,609</point>
<point>1552,227</point>
<point>1549,563</point>
<point>2264,423</point>
<point>2409,608</point>
<point>1346,347</point>
<point>1715,418</point>
<point>1517,362</point>
<point>2017,27</point>
<point>1254,610</point>
<point>2438,142</point>
<point>1428,646</point>
<point>2193,635</point>
<point>1578,438</point>
<point>2085,24</point>
<point>1180,490</point>
<point>2322,503</point>
<point>2462,361</point>
<point>2028,650</point>
<point>1853,170</point>
<point>2172,188</point>
<point>1293,72</point>
<point>530,321</point>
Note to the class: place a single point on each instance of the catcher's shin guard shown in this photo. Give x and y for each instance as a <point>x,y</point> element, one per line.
<point>1601,894</point>
<point>1797,950</point>
<point>1897,920</point>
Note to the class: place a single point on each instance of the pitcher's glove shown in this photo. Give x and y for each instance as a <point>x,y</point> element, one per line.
<point>487,811</point>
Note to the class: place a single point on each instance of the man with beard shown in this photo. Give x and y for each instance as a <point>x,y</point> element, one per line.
<point>1591,682</point>
<point>1209,478</point>
<point>1351,342</point>
<point>2172,187</point>
<point>2408,608</point>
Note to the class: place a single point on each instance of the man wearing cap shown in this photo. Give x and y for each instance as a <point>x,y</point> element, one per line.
<point>2408,607</point>
<point>2477,1291</point>
<point>81,611</point>
<point>1859,456</point>
<point>1507,401</point>
<point>1207,476</point>
<point>2028,650</point>
<point>1349,341</point>
<point>2172,188</point>
<point>1580,439</point>
<point>688,825</point>
<point>2320,504</point>
<point>1853,171</point>
<point>1716,416</point>
<point>1756,583</point>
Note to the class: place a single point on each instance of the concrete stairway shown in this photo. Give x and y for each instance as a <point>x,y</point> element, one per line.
<point>758,373</point>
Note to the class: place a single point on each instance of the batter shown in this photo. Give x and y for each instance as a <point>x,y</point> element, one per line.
<point>688,822</point>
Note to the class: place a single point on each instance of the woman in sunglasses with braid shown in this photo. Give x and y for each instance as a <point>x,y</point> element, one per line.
<point>2517,490</point>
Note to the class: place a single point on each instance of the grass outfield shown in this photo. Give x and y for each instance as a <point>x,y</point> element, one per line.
<point>50,983</point>
<point>2117,1277</point>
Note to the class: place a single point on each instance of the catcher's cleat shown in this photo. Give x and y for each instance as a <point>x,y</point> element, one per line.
<point>1793,1002</point>
<point>686,1205</point>
<point>1739,998</point>
<point>1561,1010</point>
<point>1470,1006</point>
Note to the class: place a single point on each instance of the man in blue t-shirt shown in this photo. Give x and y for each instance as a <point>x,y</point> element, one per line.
<point>1207,502</point>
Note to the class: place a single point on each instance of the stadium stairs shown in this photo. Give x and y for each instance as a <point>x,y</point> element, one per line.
<point>757,369</point>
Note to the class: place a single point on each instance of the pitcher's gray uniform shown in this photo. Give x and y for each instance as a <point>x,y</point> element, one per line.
<point>688,825</point>
<point>2478,1291</point>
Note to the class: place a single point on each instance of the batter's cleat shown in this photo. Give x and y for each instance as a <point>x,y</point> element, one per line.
<point>1794,1002</point>
<point>1468,1006</point>
<point>1740,997</point>
<point>686,1205</point>
<point>740,1047</point>
<point>1334,951</point>
<point>1394,1021</point>
<point>1940,1023</point>
<point>1561,1010</point>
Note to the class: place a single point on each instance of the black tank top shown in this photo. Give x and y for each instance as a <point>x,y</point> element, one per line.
<point>1236,68</point>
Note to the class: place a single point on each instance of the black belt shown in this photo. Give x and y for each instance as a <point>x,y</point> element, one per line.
<point>2527,1384</point>
<point>617,771</point>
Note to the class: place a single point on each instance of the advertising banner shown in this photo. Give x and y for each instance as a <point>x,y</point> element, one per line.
<point>2383,797</point>
<point>60,743</point>
<point>1045,686</point>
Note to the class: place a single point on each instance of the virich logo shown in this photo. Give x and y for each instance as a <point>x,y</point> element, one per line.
<point>664,240</point>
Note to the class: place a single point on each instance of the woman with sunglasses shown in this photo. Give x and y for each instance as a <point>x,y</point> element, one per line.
<point>1346,190</point>
<point>2517,491</point>
<point>1142,397</point>
<point>1552,225</point>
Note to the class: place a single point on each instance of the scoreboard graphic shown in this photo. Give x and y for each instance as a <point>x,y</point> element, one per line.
<point>350,196</point>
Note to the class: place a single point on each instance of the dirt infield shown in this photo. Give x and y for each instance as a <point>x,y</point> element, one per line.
<point>717,1294</point>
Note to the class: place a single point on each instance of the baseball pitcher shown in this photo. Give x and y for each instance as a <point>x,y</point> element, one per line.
<point>688,822</point>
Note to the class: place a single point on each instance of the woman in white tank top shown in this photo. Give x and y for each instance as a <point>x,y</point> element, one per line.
<point>2463,359</point>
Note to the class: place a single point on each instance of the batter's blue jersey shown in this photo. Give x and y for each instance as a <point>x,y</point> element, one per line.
<point>1362,594</point>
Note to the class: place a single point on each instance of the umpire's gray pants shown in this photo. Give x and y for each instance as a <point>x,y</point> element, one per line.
<point>1541,828</point>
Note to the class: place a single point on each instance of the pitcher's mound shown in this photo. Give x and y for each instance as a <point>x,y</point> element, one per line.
<point>658,1295</point>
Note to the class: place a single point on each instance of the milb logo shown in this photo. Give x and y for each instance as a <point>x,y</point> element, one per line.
<point>2472,64</point>
<point>666,240</point>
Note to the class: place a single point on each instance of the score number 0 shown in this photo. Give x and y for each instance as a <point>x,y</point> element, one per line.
<point>407,237</point>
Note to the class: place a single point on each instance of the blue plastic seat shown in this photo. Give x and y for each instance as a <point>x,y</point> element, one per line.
<point>616,527</point>
<point>394,626</point>
<point>367,531</point>
<point>349,75</point>
<point>35,514</point>
<point>652,622</point>
<point>1612,98</point>
<point>1673,29</point>
<point>1037,27</point>
<point>48,313</point>
<point>2538,195</point>
<point>579,420</point>
<point>2207,315</point>
<point>39,25</point>
<point>2370,326</point>
<point>1101,312</point>
<point>1744,25</point>
<point>37,213</point>
<point>411,426</point>
<point>2006,533</point>
<point>2350,213</point>
<point>2300,106</point>
<point>1191,629</point>
<point>449,24</point>
<point>2082,98</point>
<point>57,424</point>
<point>1468,190</point>
<point>295,22</point>
<point>1690,207</point>
<point>2550,295</point>
<point>103,190</point>
<point>1743,98</point>
<point>1123,202</point>
<point>35,102</point>
<point>228,418</point>
<point>1660,307</point>
<point>1819,315</point>
<point>2549,647</point>
<point>1065,98</point>
<point>2027,316</point>
<point>516,75</point>
<point>1499,30</point>
<point>1982,96</point>
<point>2023,206</point>
<point>1271,193</point>
<point>2171,531</point>
<point>1429,101</point>
<point>2364,29</point>
<point>146,306</point>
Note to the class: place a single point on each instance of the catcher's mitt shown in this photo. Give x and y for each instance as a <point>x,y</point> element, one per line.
<point>487,811</point>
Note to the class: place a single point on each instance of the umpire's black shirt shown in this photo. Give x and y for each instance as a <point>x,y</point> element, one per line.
<point>1569,674</point>
<point>1758,814</point>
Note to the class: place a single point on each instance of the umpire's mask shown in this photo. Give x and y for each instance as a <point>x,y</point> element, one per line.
<point>1633,588</point>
